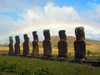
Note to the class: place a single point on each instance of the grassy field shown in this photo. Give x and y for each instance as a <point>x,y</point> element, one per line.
<point>12,65</point>
<point>24,66</point>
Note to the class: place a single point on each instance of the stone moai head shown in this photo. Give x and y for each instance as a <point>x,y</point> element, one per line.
<point>62,35</point>
<point>79,32</point>
<point>11,40</point>
<point>26,39</point>
<point>47,35</point>
<point>17,39</point>
<point>35,36</point>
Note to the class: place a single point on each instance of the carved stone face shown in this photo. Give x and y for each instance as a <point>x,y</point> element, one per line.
<point>17,39</point>
<point>26,39</point>
<point>11,40</point>
<point>62,35</point>
<point>79,32</point>
<point>46,35</point>
<point>35,36</point>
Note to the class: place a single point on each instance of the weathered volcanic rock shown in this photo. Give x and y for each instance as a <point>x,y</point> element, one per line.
<point>26,45</point>
<point>35,51</point>
<point>10,46</point>
<point>79,44</point>
<point>62,44</point>
<point>47,44</point>
<point>17,45</point>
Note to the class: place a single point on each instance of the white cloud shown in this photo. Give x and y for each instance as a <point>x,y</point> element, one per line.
<point>7,24</point>
<point>52,14</point>
<point>92,17</point>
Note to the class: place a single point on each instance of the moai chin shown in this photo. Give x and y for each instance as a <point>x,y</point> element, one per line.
<point>17,45</point>
<point>62,44</point>
<point>79,44</point>
<point>10,46</point>
<point>47,44</point>
<point>35,51</point>
<point>26,45</point>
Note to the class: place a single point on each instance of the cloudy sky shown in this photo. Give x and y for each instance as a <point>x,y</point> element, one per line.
<point>18,17</point>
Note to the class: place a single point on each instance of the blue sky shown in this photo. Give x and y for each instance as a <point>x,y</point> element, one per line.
<point>15,14</point>
<point>79,5</point>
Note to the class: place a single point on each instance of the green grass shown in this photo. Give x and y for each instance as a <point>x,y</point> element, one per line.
<point>22,66</point>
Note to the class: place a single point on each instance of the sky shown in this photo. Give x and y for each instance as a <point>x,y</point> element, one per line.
<point>18,17</point>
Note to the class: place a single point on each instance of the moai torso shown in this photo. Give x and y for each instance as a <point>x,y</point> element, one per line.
<point>26,45</point>
<point>79,44</point>
<point>62,44</point>
<point>10,46</point>
<point>35,51</point>
<point>47,44</point>
<point>17,45</point>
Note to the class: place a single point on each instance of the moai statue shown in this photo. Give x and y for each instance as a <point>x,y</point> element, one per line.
<point>62,44</point>
<point>79,44</point>
<point>26,45</point>
<point>10,46</point>
<point>35,51</point>
<point>17,45</point>
<point>47,44</point>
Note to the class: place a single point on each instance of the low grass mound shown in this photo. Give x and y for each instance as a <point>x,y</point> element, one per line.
<point>10,65</point>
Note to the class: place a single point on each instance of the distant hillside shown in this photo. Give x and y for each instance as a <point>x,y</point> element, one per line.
<point>4,43</point>
<point>91,45</point>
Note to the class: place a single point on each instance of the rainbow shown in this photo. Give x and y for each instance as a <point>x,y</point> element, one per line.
<point>28,28</point>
